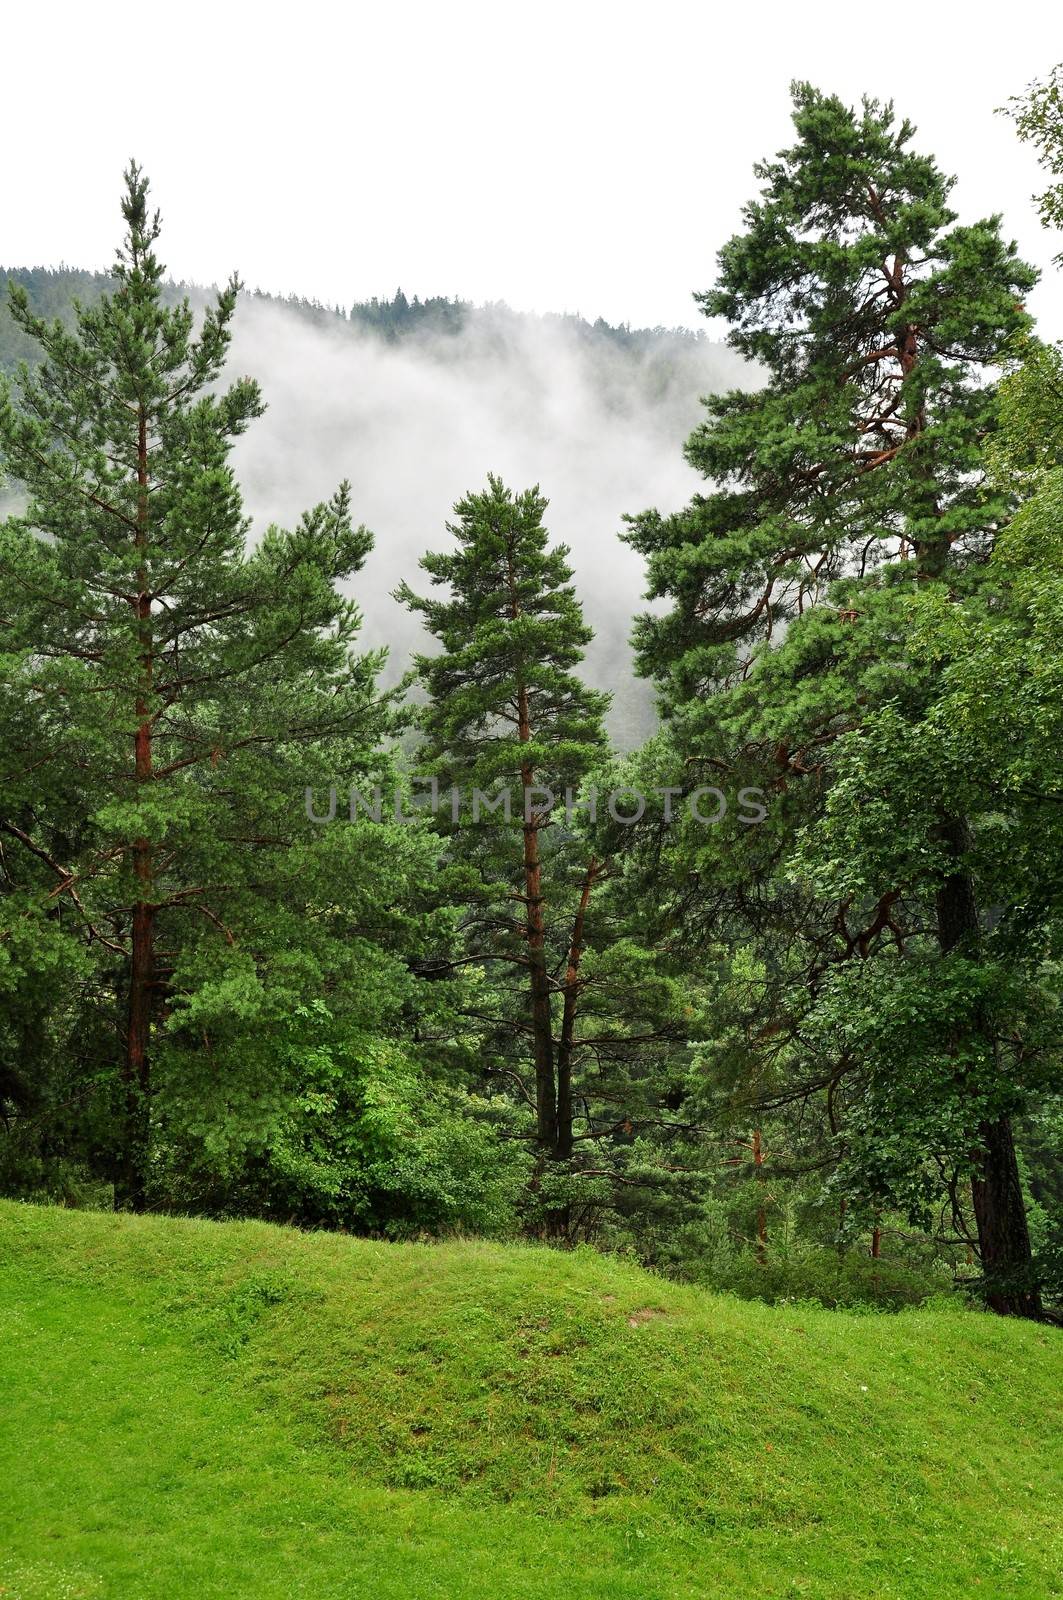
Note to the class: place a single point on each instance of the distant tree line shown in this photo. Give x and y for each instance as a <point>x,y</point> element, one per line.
<point>51,292</point>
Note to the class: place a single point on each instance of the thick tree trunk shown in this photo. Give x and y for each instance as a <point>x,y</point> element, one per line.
<point>996,1192</point>
<point>1003,1233</point>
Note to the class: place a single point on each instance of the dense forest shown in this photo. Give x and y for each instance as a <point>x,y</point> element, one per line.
<point>769,1002</point>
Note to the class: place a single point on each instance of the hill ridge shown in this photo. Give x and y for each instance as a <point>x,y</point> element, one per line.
<point>527,1383</point>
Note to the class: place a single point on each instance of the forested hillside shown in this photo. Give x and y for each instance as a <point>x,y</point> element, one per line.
<point>373,858</point>
<point>414,401</point>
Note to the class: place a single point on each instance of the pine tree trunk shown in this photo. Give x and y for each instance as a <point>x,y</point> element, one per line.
<point>535,924</point>
<point>539,982</point>
<point>563,1143</point>
<point>996,1192</point>
<point>542,1025</point>
<point>137,1065</point>
<point>762,1216</point>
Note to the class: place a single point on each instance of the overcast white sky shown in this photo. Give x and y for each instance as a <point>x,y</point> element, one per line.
<point>584,156</point>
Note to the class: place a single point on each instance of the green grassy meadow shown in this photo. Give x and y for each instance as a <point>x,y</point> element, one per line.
<point>197,1409</point>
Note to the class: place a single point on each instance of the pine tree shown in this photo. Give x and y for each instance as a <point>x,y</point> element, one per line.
<point>506,715</point>
<point>169,692</point>
<point>850,479</point>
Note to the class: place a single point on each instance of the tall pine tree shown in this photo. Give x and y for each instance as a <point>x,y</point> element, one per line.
<point>585,1004</point>
<point>507,716</point>
<point>168,691</point>
<point>849,479</point>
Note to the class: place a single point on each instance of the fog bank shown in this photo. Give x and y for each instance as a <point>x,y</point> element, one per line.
<point>415,424</point>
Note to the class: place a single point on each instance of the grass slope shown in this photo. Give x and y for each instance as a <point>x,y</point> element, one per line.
<point>205,1410</point>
